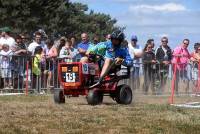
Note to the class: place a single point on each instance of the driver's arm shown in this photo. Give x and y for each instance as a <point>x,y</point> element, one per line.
<point>128,61</point>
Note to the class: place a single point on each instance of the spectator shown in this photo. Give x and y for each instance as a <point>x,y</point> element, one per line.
<point>196,46</point>
<point>155,71</point>
<point>149,65</point>
<point>95,40</point>
<point>195,58</point>
<point>125,44</point>
<point>19,60</point>
<point>24,40</point>
<point>68,52</point>
<point>20,48</point>
<point>36,67</point>
<point>163,56</point>
<point>180,60</point>
<point>58,45</point>
<point>84,45</point>
<point>50,53</point>
<point>5,64</point>
<point>108,37</point>
<point>151,41</point>
<point>43,34</point>
<point>37,42</point>
<point>6,38</point>
<point>73,40</point>
<point>61,44</point>
<point>135,51</point>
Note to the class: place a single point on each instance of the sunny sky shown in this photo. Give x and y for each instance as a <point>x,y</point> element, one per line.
<point>177,19</point>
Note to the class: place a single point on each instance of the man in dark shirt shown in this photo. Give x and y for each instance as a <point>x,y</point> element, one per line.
<point>19,60</point>
<point>20,47</point>
<point>163,56</point>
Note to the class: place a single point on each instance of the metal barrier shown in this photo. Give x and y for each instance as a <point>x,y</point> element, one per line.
<point>158,78</point>
<point>18,74</point>
<point>13,73</point>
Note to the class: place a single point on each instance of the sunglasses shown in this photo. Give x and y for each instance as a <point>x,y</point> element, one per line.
<point>164,41</point>
<point>134,40</point>
<point>185,43</point>
<point>149,47</point>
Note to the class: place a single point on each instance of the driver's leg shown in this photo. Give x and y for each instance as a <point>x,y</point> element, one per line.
<point>104,71</point>
<point>84,59</point>
<point>105,67</point>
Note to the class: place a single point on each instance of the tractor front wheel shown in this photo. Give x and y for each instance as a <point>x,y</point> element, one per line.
<point>59,96</point>
<point>123,94</point>
<point>94,97</point>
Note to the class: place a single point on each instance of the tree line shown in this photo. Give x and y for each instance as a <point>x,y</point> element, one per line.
<point>56,17</point>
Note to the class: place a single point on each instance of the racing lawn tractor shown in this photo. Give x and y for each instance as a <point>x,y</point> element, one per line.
<point>78,78</point>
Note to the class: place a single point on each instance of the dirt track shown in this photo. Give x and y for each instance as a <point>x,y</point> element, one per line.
<point>39,114</point>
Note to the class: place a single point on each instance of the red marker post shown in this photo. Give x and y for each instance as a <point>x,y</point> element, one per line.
<point>198,85</point>
<point>171,100</point>
<point>27,66</point>
<point>173,84</point>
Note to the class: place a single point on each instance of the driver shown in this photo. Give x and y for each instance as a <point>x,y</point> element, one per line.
<point>112,51</point>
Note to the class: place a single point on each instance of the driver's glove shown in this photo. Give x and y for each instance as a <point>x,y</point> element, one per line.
<point>118,61</point>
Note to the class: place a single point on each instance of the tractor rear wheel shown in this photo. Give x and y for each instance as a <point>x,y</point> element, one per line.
<point>59,96</point>
<point>94,97</point>
<point>123,94</point>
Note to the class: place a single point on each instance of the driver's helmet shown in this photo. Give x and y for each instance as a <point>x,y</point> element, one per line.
<point>118,34</point>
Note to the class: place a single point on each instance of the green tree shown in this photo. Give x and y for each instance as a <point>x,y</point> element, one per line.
<point>54,16</point>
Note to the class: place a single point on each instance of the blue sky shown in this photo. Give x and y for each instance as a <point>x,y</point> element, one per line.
<point>177,19</point>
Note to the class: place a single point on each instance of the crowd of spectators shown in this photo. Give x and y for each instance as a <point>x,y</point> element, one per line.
<point>156,64</point>
<point>44,52</point>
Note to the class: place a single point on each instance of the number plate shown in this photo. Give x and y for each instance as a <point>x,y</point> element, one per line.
<point>70,77</point>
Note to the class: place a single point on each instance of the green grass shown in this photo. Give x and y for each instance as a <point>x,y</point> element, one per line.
<point>39,114</point>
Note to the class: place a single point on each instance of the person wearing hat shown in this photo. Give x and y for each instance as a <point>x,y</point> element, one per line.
<point>6,38</point>
<point>135,51</point>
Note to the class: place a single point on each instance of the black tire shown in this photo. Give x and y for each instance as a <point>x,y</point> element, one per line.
<point>124,94</point>
<point>94,97</point>
<point>59,96</point>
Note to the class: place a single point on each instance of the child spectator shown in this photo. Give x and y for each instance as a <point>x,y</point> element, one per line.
<point>149,66</point>
<point>36,67</point>
<point>5,64</point>
<point>68,52</point>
